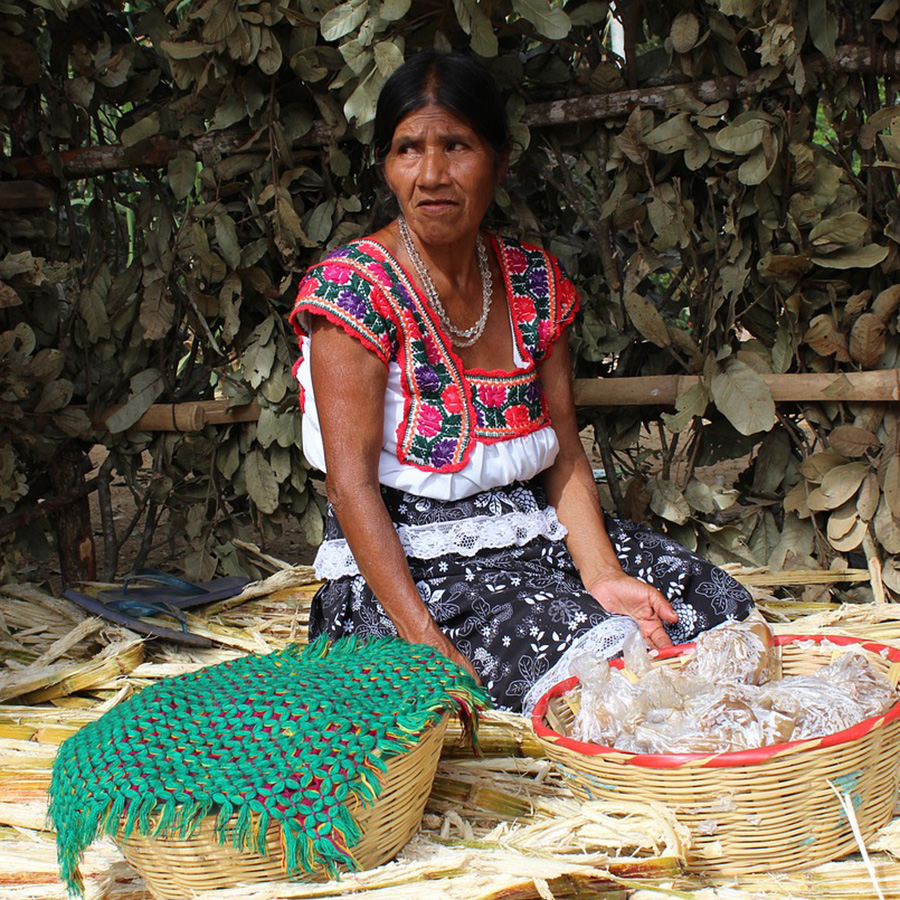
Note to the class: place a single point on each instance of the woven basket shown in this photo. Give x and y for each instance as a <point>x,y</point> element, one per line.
<point>754,810</point>
<point>175,868</point>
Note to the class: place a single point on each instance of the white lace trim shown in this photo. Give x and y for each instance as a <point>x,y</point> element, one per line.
<point>603,641</point>
<point>465,537</point>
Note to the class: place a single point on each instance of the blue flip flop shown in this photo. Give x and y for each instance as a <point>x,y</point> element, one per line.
<point>162,592</point>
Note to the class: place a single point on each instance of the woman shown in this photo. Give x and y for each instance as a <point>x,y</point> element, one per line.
<point>436,381</point>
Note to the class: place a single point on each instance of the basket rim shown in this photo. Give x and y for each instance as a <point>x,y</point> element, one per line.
<point>732,757</point>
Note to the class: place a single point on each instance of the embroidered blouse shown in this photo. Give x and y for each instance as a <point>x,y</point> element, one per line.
<point>449,432</point>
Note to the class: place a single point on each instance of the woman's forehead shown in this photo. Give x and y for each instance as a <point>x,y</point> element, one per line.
<point>431,116</point>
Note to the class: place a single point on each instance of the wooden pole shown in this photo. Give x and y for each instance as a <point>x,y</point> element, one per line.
<point>75,538</point>
<point>155,152</point>
<point>879,386</point>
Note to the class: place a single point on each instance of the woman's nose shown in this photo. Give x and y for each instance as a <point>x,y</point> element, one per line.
<point>434,167</point>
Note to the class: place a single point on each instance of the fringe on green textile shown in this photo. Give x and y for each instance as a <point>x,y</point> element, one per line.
<point>287,738</point>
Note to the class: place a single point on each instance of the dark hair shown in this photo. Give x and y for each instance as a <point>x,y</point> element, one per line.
<point>454,81</point>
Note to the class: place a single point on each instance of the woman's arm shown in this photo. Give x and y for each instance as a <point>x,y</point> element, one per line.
<point>349,383</point>
<point>570,487</point>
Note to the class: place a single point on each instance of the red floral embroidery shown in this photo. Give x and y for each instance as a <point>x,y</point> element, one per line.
<point>452,400</point>
<point>518,417</point>
<point>516,261</point>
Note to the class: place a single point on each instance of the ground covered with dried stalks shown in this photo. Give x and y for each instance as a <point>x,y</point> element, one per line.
<point>502,826</point>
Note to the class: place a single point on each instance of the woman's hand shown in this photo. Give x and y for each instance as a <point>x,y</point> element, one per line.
<point>619,593</point>
<point>434,637</point>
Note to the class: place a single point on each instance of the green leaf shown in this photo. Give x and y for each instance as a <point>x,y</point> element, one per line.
<point>689,403</point>
<point>743,397</point>
<point>226,237</point>
<point>393,10</point>
<point>388,57</point>
<point>590,13</point>
<point>144,388</point>
<point>551,21</point>
<point>319,225</point>
<point>743,136</point>
<point>141,130</point>
<point>182,172</point>
<point>261,484</point>
<point>157,311</point>
<point>823,27</point>
<point>343,19</point>
<point>474,22</point>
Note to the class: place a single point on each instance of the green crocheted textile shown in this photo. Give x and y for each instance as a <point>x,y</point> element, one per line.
<point>286,737</point>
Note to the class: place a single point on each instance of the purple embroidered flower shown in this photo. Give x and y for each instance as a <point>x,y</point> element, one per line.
<point>340,252</point>
<point>426,380</point>
<point>533,393</point>
<point>352,303</point>
<point>442,452</point>
<point>537,279</point>
<point>404,296</point>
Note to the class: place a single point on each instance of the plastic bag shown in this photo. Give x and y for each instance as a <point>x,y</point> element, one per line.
<point>737,653</point>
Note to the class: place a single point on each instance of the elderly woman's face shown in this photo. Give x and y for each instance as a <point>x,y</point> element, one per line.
<point>442,173</point>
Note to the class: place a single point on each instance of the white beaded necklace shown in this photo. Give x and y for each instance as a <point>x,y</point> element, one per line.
<point>459,337</point>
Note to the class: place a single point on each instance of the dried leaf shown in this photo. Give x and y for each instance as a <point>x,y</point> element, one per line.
<point>646,318</point>
<point>852,539</point>
<point>868,497</point>
<point>891,486</point>
<point>851,441</point>
<point>262,487</point>
<point>743,397</point>
<point>55,396</point>
<point>474,22</point>
<point>815,467</point>
<point>891,575</point>
<point>689,403</point>
<point>887,528</point>
<point>684,32</point>
<point>157,311</point>
<point>823,336</point>
<point>849,228</point>
<point>868,340</point>
<point>8,297</point>
<point>796,501</point>
<point>744,135</point>
<point>668,502</point>
<point>841,483</point>
<point>852,257</point>
<point>227,239</point>
<point>887,303</point>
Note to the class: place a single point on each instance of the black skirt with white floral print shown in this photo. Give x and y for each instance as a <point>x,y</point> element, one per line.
<point>521,613</point>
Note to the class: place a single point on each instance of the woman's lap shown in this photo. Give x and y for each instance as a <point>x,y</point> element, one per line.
<point>521,613</point>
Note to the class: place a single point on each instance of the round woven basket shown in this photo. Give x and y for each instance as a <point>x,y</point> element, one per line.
<point>753,810</point>
<point>175,868</point>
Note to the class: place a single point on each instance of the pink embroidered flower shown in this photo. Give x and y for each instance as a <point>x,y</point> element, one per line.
<point>381,275</point>
<point>452,400</point>
<point>545,333</point>
<point>429,422</point>
<point>492,394</point>
<point>516,261</point>
<point>517,416</point>
<point>336,274</point>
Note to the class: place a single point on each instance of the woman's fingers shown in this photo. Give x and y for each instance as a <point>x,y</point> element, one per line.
<point>629,596</point>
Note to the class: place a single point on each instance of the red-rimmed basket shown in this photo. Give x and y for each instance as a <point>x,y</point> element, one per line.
<point>752,810</point>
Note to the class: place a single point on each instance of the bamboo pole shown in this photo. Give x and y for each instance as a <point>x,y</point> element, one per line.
<point>878,386</point>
